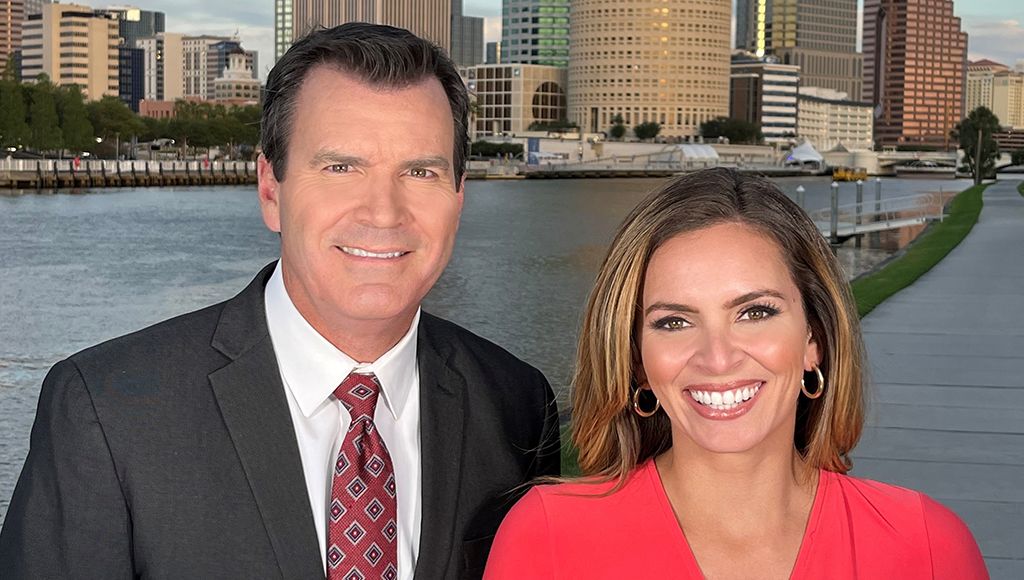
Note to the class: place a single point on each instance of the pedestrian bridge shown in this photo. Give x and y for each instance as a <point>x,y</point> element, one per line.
<point>891,158</point>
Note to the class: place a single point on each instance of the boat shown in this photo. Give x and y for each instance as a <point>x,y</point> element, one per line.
<point>849,174</point>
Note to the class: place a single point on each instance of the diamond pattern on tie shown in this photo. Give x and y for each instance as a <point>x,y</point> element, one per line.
<point>362,528</point>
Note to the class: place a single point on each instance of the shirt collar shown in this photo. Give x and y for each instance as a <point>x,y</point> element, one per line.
<point>313,368</point>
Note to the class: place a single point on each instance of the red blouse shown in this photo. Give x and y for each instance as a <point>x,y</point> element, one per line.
<point>858,528</point>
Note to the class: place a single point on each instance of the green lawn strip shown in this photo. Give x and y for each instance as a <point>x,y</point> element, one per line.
<point>927,250</point>
<point>1020,188</point>
<point>871,290</point>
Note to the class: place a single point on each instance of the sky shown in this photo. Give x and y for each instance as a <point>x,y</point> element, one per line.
<point>995,27</point>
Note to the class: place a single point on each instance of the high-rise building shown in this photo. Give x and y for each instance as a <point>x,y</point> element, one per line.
<point>915,58</point>
<point>283,24</point>
<point>35,6</point>
<point>133,23</point>
<point>206,58</point>
<point>12,18</point>
<point>467,37</point>
<point>764,92</point>
<point>511,97</point>
<point>430,19</point>
<point>997,87</point>
<point>73,45</point>
<point>649,61</point>
<point>535,32</point>
<point>819,36</point>
<point>236,85</point>
<point>164,66</point>
<point>829,120</point>
<point>131,86</point>
<point>493,55</point>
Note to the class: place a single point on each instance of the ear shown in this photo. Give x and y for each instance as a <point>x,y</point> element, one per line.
<point>461,191</point>
<point>269,192</point>
<point>812,355</point>
<point>640,377</point>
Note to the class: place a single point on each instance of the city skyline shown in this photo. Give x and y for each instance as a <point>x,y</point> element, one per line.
<point>995,27</point>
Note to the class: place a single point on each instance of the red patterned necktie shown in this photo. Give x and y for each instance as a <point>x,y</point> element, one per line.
<point>362,534</point>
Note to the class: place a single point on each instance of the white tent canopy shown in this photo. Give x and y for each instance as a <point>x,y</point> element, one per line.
<point>698,152</point>
<point>804,153</point>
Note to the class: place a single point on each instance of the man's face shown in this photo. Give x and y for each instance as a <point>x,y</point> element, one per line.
<point>369,205</point>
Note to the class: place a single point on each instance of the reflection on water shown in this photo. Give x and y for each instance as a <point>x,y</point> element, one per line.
<point>79,269</point>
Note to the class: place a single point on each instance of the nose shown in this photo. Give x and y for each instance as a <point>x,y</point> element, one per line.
<point>384,204</point>
<point>717,352</point>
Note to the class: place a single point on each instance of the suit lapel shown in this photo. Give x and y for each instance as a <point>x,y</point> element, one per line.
<point>252,401</point>
<point>442,412</point>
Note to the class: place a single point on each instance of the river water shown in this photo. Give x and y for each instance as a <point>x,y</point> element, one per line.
<point>76,269</point>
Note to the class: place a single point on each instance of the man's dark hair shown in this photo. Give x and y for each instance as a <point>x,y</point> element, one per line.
<point>384,57</point>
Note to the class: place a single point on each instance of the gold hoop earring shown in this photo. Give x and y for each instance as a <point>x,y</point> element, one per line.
<point>821,385</point>
<point>641,412</point>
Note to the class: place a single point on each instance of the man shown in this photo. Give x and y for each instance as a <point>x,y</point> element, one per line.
<point>318,423</point>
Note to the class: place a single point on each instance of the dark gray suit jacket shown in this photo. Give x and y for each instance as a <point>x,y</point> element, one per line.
<point>170,453</point>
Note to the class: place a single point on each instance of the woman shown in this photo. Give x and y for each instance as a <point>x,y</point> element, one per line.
<point>718,394</point>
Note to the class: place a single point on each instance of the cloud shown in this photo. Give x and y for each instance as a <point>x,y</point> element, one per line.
<point>995,39</point>
<point>253,22</point>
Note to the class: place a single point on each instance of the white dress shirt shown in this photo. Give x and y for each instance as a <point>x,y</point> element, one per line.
<point>311,368</point>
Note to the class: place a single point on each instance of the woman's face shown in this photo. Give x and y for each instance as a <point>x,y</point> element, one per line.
<point>724,339</point>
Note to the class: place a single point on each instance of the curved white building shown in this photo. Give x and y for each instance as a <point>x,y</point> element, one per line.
<point>649,60</point>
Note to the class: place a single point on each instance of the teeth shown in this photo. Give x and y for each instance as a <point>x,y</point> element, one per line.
<point>725,400</point>
<point>365,254</point>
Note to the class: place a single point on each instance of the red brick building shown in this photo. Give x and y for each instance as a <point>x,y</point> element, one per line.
<point>915,60</point>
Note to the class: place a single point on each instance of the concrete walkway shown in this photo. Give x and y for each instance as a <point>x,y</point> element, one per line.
<point>947,365</point>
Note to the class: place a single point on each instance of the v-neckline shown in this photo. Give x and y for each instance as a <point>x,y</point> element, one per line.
<point>690,559</point>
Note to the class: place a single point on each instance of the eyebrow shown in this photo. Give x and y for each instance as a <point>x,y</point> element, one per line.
<point>330,157</point>
<point>676,307</point>
<point>754,296</point>
<point>435,161</point>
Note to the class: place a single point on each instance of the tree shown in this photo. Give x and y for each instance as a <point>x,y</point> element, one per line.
<point>110,116</point>
<point>559,126</point>
<point>13,128</point>
<point>618,130</point>
<point>74,122</point>
<point>488,149</point>
<point>44,132</point>
<point>735,130</point>
<point>10,70</point>
<point>1017,158</point>
<point>980,122</point>
<point>645,131</point>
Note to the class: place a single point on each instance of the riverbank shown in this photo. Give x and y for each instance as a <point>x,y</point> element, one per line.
<point>927,250</point>
<point>616,171</point>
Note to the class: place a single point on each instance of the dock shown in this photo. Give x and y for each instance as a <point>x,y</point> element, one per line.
<point>70,174</point>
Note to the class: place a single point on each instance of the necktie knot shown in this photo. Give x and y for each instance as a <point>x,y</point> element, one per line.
<point>358,392</point>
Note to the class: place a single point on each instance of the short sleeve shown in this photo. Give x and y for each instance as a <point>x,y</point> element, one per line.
<point>954,552</point>
<point>522,547</point>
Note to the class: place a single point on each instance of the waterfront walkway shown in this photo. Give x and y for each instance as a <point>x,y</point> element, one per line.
<point>947,364</point>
